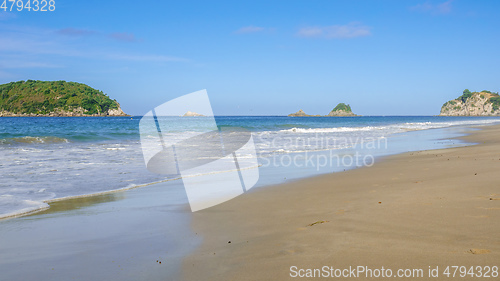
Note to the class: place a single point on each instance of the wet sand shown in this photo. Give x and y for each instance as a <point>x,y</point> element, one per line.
<point>432,208</point>
<point>131,235</point>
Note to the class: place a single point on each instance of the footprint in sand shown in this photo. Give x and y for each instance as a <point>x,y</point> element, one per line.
<point>479,251</point>
<point>317,223</point>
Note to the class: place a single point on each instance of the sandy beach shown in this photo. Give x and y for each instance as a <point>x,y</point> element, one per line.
<point>249,140</point>
<point>416,210</point>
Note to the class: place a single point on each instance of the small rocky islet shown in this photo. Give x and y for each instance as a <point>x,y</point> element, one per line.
<point>341,110</point>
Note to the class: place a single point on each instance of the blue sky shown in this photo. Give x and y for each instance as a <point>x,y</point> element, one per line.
<point>262,57</point>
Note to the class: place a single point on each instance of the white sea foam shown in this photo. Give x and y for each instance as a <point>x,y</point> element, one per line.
<point>389,129</point>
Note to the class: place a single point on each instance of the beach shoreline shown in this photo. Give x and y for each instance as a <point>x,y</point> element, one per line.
<point>82,196</point>
<point>133,230</point>
<point>50,160</point>
<point>414,210</point>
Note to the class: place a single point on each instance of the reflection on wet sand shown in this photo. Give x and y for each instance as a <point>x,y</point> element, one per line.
<point>80,202</point>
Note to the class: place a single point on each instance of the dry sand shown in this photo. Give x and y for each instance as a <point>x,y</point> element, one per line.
<point>410,211</point>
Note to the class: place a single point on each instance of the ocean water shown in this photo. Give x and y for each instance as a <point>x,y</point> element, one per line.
<point>49,158</point>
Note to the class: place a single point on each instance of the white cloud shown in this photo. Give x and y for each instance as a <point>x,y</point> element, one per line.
<point>5,75</point>
<point>28,47</point>
<point>7,16</point>
<point>123,36</point>
<point>437,9</point>
<point>144,58</point>
<point>78,32</point>
<point>249,29</point>
<point>75,31</point>
<point>11,64</point>
<point>351,30</point>
<point>35,44</point>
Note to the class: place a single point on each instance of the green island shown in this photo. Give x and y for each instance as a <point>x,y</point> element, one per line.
<point>342,106</point>
<point>55,98</point>
<point>484,103</point>
<point>341,109</point>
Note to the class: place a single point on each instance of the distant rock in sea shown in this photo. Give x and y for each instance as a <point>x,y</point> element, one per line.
<point>340,110</point>
<point>301,113</point>
<point>484,103</point>
<point>192,114</point>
